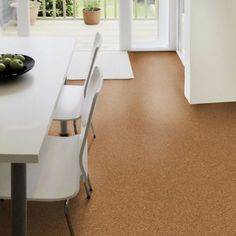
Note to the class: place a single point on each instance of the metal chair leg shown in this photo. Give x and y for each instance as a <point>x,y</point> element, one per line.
<point>64,132</point>
<point>89,184</point>
<point>86,186</point>
<point>67,215</point>
<point>91,125</point>
<point>76,131</point>
<point>75,127</point>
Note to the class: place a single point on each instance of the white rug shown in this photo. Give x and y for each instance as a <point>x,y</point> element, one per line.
<point>114,65</point>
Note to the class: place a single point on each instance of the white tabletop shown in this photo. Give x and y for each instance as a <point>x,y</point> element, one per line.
<point>27,104</point>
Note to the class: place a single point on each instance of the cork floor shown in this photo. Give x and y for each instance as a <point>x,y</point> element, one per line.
<point>159,166</point>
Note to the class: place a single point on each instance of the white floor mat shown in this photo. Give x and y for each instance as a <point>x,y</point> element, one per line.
<point>114,65</point>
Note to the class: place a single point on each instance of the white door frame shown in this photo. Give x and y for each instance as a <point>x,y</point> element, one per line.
<point>180,29</point>
<point>23,18</point>
<point>125,24</point>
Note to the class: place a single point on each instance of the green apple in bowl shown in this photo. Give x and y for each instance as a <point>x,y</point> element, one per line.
<point>6,61</point>
<point>19,56</point>
<point>16,64</point>
<point>8,55</point>
<point>2,67</point>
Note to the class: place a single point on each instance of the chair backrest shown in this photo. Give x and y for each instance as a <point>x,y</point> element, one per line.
<point>96,45</point>
<point>93,89</point>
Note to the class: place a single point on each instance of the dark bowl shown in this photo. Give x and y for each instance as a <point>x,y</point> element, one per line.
<point>9,74</point>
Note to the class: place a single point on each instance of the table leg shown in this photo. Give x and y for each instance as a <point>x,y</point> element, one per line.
<point>19,202</point>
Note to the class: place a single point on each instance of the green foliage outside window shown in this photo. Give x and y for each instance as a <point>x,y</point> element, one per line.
<point>59,8</point>
<point>91,5</point>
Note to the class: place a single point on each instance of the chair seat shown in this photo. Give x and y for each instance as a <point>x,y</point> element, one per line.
<point>57,175</point>
<point>69,104</point>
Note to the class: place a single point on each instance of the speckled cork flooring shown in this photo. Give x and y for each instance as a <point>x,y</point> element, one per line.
<point>159,166</point>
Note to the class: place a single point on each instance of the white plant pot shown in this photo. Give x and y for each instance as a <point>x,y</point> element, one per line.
<point>34,10</point>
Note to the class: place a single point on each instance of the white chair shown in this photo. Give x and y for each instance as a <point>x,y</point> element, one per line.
<point>62,162</point>
<point>69,105</point>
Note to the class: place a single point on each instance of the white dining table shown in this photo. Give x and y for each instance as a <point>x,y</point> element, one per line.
<point>26,107</point>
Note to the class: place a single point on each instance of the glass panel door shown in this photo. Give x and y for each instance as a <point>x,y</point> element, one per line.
<point>145,21</point>
<point>147,25</point>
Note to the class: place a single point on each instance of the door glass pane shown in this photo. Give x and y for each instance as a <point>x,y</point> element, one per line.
<point>145,22</point>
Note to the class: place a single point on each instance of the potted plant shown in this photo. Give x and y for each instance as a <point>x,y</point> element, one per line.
<point>34,10</point>
<point>92,12</point>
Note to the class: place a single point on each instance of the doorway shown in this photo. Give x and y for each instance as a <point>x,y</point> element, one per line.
<point>155,20</point>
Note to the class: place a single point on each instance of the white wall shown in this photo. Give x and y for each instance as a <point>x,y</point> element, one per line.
<point>125,24</point>
<point>211,69</point>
